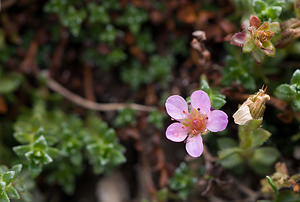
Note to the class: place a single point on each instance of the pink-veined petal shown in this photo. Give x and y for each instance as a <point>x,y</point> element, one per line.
<point>238,39</point>
<point>217,121</point>
<point>194,145</point>
<point>200,100</point>
<point>177,107</point>
<point>176,132</point>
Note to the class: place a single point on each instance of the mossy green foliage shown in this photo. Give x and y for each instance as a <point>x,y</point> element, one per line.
<point>95,22</point>
<point>183,181</point>
<point>239,69</point>
<point>57,142</point>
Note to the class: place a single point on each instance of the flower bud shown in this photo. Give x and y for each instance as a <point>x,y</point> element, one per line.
<point>253,108</point>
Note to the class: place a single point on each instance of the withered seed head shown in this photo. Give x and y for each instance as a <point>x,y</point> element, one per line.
<point>253,108</point>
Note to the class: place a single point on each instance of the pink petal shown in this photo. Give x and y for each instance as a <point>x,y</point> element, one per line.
<point>194,145</point>
<point>238,39</point>
<point>200,101</point>
<point>255,21</point>
<point>217,121</point>
<point>176,132</point>
<point>177,107</point>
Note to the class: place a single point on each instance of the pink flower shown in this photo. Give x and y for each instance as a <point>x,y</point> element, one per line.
<point>200,120</point>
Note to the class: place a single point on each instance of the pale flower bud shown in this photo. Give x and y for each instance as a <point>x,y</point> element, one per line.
<point>253,108</point>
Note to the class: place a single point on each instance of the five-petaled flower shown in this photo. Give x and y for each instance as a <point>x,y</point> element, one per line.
<point>257,38</point>
<point>192,124</point>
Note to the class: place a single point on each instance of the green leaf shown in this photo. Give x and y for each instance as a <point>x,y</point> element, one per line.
<point>274,12</point>
<point>268,48</point>
<point>258,137</point>
<point>183,181</point>
<point>218,101</point>
<point>225,143</point>
<point>296,104</point>
<point>265,155</point>
<point>271,183</point>
<point>254,124</point>
<point>296,77</point>
<point>8,176</point>
<point>17,168</point>
<point>4,197</point>
<point>259,6</point>
<point>258,55</point>
<point>287,196</point>
<point>12,193</point>
<point>274,27</point>
<point>204,85</point>
<point>53,152</point>
<point>269,153</point>
<point>40,143</point>
<point>229,158</point>
<point>9,83</point>
<point>227,152</point>
<point>162,195</point>
<point>2,186</point>
<point>22,149</point>
<point>248,46</point>
<point>216,98</point>
<point>285,92</point>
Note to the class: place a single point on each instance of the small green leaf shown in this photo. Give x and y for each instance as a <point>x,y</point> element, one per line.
<point>227,152</point>
<point>2,186</point>
<point>4,197</point>
<point>254,124</point>
<point>229,158</point>
<point>41,143</point>
<point>258,137</point>
<point>218,101</point>
<point>162,195</point>
<point>22,149</point>
<point>12,193</point>
<point>248,46</point>
<point>53,152</point>
<point>9,83</point>
<point>274,12</point>
<point>285,92</point>
<point>265,155</point>
<point>8,176</point>
<point>271,183</point>
<point>204,85</point>
<point>259,6</point>
<point>296,104</point>
<point>17,168</point>
<point>258,55</point>
<point>296,77</point>
<point>274,27</point>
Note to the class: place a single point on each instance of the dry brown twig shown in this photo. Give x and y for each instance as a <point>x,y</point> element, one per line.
<point>53,85</point>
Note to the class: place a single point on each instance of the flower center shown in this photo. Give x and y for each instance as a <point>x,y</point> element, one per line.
<point>196,122</point>
<point>264,36</point>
